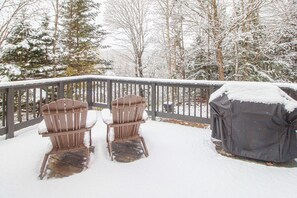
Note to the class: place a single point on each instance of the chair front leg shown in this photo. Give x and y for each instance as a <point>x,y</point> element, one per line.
<point>109,147</point>
<point>90,141</point>
<point>107,133</point>
<point>43,166</point>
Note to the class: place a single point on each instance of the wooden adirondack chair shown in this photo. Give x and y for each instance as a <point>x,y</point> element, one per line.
<point>65,120</point>
<point>127,115</point>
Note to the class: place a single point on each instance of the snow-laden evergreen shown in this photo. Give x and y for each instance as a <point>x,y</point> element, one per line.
<point>81,36</point>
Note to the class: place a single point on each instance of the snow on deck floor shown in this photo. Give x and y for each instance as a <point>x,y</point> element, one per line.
<point>182,163</point>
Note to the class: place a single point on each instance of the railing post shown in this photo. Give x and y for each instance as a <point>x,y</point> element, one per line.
<point>10,113</point>
<point>109,93</point>
<point>154,101</point>
<point>61,90</point>
<point>89,93</point>
<point>211,90</point>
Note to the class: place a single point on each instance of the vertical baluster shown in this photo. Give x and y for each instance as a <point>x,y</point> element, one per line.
<point>177,100</point>
<point>84,91</point>
<point>80,91</point>
<point>201,101</point>
<point>19,106</point>
<point>189,99</point>
<point>119,89</point>
<point>149,105</point>
<point>61,89</point>
<point>67,91</point>
<point>97,92</point>
<point>75,91</point>
<point>123,90</point>
<point>173,98</point>
<point>195,101</point>
<point>162,98</point>
<point>94,91</point>
<point>10,113</point>
<point>40,101</point>
<point>101,93</point>
<point>52,93</point>
<point>167,98</point>
<point>114,90</point>
<point>206,104</point>
<point>153,104</point>
<point>105,84</point>
<point>34,102</point>
<point>89,94</point>
<point>109,93</point>
<point>27,104</point>
<point>46,94</point>
<point>158,97</point>
<point>3,108</point>
<point>184,103</point>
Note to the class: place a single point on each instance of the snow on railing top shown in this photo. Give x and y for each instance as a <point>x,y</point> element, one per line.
<point>128,79</point>
<point>113,78</point>
<point>257,92</point>
<point>42,81</point>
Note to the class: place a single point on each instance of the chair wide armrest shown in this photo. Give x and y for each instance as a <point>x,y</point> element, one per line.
<point>126,124</point>
<point>106,116</point>
<point>65,132</point>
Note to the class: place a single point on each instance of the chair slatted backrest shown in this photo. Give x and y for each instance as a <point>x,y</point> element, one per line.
<point>65,115</point>
<point>126,110</point>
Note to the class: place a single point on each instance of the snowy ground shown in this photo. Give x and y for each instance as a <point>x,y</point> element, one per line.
<point>182,163</point>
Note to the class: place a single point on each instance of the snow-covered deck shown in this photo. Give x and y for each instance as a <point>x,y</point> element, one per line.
<point>182,163</point>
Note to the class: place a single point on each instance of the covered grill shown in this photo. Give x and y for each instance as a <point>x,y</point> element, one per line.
<point>255,120</point>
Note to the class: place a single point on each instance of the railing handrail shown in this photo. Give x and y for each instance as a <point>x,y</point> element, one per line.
<point>127,79</point>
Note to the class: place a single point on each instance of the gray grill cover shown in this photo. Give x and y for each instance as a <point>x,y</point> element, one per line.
<point>255,130</point>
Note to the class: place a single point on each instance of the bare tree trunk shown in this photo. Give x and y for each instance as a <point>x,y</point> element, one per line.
<point>219,55</point>
<point>56,8</point>
<point>140,67</point>
<point>236,61</point>
<point>167,7</point>
<point>216,29</point>
<point>168,41</point>
<point>136,68</point>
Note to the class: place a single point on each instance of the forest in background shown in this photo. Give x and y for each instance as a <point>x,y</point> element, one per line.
<point>177,39</point>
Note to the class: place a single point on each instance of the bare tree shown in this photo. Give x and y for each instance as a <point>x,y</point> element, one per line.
<point>166,8</point>
<point>9,11</point>
<point>130,19</point>
<point>172,26</point>
<point>217,24</point>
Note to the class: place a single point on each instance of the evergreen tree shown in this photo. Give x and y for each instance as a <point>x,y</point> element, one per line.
<point>43,42</point>
<point>17,49</point>
<point>27,50</point>
<point>81,36</point>
<point>200,62</point>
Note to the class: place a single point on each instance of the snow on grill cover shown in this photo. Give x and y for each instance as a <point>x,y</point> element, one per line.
<point>255,120</point>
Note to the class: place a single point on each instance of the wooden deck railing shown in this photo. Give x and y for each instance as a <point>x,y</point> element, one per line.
<point>178,99</point>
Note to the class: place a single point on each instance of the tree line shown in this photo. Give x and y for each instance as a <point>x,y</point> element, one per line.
<point>178,39</point>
